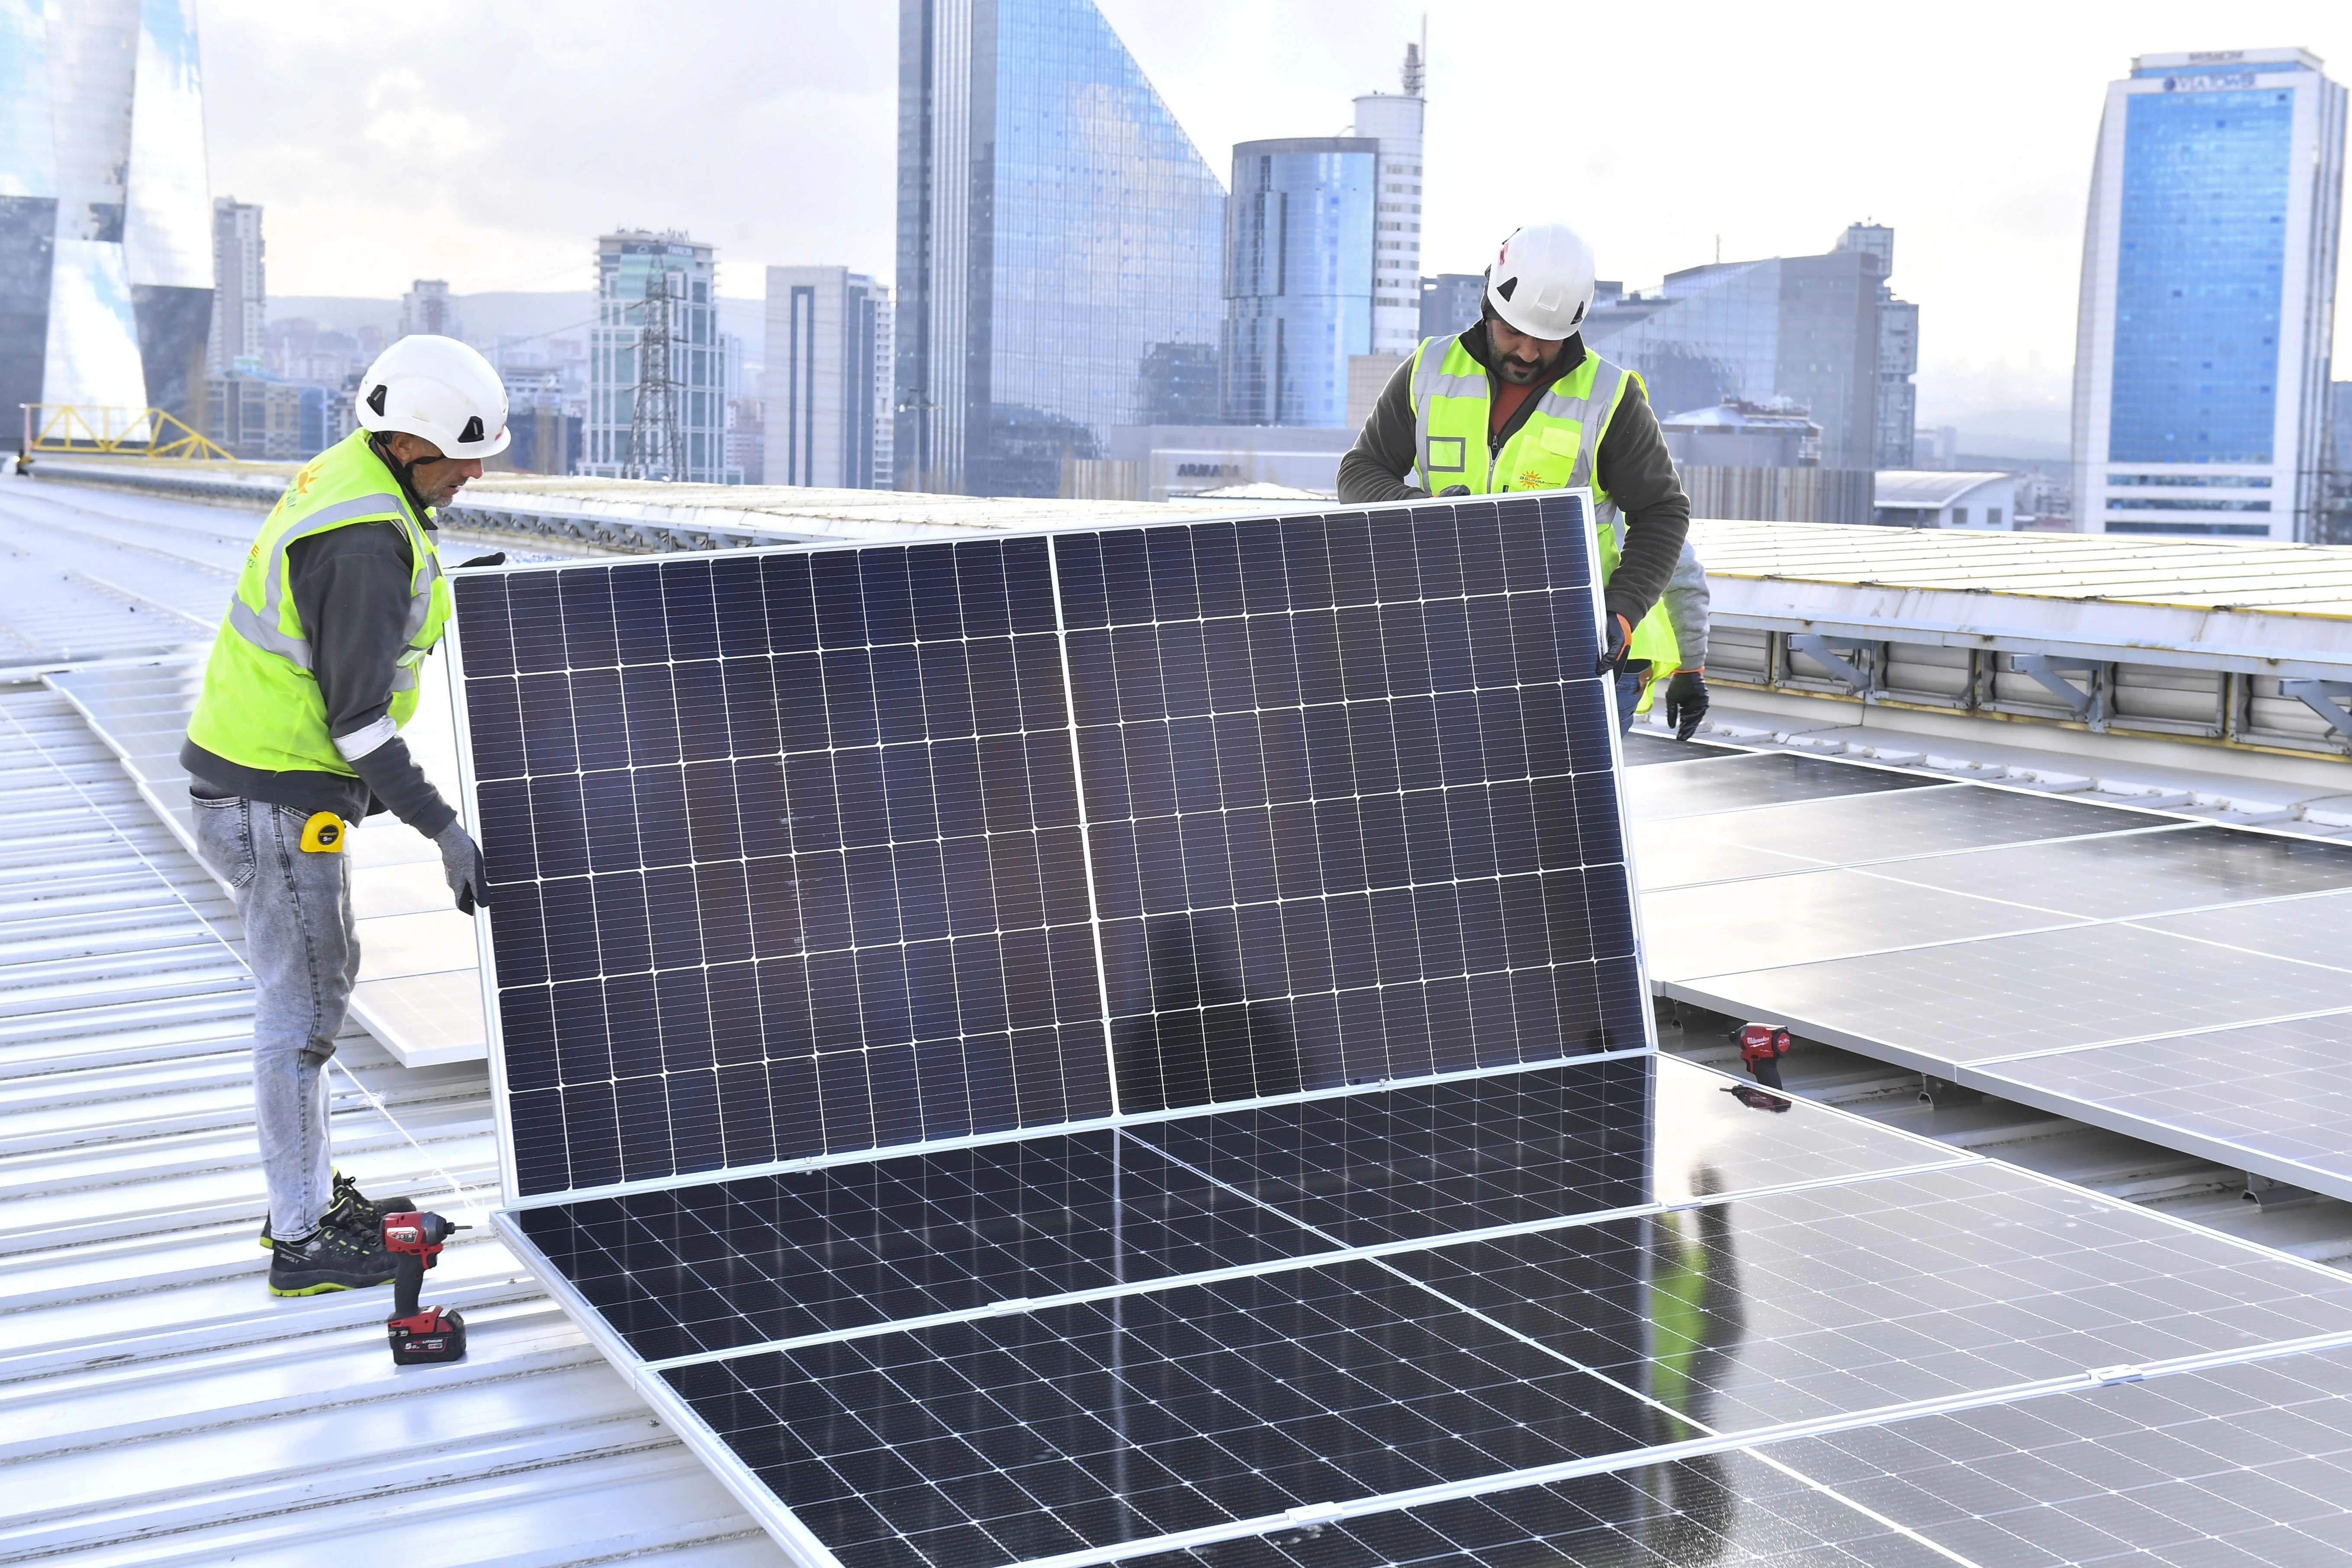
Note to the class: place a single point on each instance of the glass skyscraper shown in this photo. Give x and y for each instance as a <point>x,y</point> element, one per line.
<point>1299,278</point>
<point>106,249</point>
<point>1059,247</point>
<point>2203,347</point>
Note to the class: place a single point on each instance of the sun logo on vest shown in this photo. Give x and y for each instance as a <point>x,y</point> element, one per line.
<point>303,480</point>
<point>1530,481</point>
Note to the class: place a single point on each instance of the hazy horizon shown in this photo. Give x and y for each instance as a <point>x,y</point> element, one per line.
<point>772,136</point>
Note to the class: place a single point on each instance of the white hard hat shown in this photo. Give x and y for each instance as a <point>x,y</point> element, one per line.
<point>1542,282</point>
<point>439,389</point>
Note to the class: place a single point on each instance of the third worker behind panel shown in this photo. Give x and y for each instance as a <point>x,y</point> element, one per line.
<point>1517,402</point>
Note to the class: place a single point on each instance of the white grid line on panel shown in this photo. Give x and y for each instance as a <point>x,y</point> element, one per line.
<point>1086,834</point>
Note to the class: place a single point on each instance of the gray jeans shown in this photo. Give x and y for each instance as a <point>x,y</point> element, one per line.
<point>297,909</point>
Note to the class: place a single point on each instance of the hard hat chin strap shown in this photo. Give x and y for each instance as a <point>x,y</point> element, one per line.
<point>400,470</point>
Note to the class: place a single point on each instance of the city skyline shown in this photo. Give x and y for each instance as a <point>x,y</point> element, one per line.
<point>1976,149</point>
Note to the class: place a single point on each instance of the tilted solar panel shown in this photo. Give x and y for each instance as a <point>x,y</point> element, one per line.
<point>804,852</point>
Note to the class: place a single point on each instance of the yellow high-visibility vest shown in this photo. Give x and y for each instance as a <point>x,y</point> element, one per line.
<point>261,707</point>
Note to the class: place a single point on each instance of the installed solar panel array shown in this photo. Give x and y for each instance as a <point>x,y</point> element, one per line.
<point>1066,1048</point>
<point>2179,981</point>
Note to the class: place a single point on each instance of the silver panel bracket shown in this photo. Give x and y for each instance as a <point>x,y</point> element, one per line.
<point>1824,651</point>
<point>2324,697</point>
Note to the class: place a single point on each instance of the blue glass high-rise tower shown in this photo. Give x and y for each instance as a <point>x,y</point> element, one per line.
<point>1299,277</point>
<point>2202,346</point>
<point>1059,247</point>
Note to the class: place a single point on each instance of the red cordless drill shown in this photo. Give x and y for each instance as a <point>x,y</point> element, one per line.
<point>419,1333</point>
<point>1761,1046</point>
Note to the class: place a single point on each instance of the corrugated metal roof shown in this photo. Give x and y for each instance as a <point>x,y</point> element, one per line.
<point>156,1406</point>
<point>2198,573</point>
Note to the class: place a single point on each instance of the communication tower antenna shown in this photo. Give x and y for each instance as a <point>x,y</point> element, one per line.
<point>655,451</point>
<point>1416,61</point>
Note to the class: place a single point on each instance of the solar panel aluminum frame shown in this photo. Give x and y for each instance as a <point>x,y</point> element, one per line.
<point>469,806</point>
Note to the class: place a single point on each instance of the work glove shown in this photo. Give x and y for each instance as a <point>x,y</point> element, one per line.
<point>1615,651</point>
<point>461,863</point>
<point>1686,702</point>
<point>1454,490</point>
<point>498,560</point>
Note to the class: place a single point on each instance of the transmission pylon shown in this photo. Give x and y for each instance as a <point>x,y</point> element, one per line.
<point>656,449</point>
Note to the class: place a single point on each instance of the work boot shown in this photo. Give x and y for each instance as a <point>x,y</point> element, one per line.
<point>352,1209</point>
<point>334,1258</point>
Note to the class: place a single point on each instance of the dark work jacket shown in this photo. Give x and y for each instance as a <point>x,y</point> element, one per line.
<point>1631,463</point>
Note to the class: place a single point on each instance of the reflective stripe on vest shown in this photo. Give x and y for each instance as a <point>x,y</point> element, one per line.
<point>262,628</point>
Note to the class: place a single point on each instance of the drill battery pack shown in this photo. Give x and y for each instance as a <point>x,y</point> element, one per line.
<point>432,1336</point>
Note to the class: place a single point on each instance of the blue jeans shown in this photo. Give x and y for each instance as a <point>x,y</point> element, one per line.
<point>1628,693</point>
<point>304,954</point>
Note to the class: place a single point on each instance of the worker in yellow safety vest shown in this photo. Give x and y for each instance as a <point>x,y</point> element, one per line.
<point>295,737</point>
<point>1518,403</point>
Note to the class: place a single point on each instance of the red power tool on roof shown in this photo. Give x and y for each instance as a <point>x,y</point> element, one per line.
<point>1761,1046</point>
<point>419,1333</point>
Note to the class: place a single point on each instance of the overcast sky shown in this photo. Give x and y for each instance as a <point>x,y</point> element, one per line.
<point>488,144</point>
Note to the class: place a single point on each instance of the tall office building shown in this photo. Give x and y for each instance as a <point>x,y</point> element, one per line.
<point>828,369</point>
<point>1393,120</point>
<point>1804,331</point>
<point>1299,278</point>
<point>2202,340</point>
<point>628,263</point>
<point>428,307</point>
<point>1055,228</point>
<point>106,274</point>
<point>1898,349</point>
<point>240,324</point>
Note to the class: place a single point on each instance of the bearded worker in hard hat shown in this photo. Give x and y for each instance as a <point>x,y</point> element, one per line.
<point>1517,402</point>
<point>297,737</point>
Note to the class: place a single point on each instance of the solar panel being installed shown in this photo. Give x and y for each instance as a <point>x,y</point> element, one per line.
<point>790,855</point>
<point>1084,1046</point>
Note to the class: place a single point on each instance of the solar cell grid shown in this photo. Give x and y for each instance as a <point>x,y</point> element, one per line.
<point>1759,779</point>
<point>1729,1508</point>
<point>2241,1464</point>
<point>1848,830</point>
<point>1796,1306</point>
<point>789,852</point>
<point>1642,749</point>
<point>714,1266</point>
<point>2273,1095</point>
<point>2011,995</point>
<point>996,1440</point>
<point>1349,786</point>
<point>2108,878</point>
<point>784,856</point>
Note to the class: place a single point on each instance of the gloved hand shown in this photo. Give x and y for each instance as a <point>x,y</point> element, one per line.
<point>1686,702</point>
<point>1454,490</point>
<point>498,560</point>
<point>1614,654</point>
<point>461,863</point>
